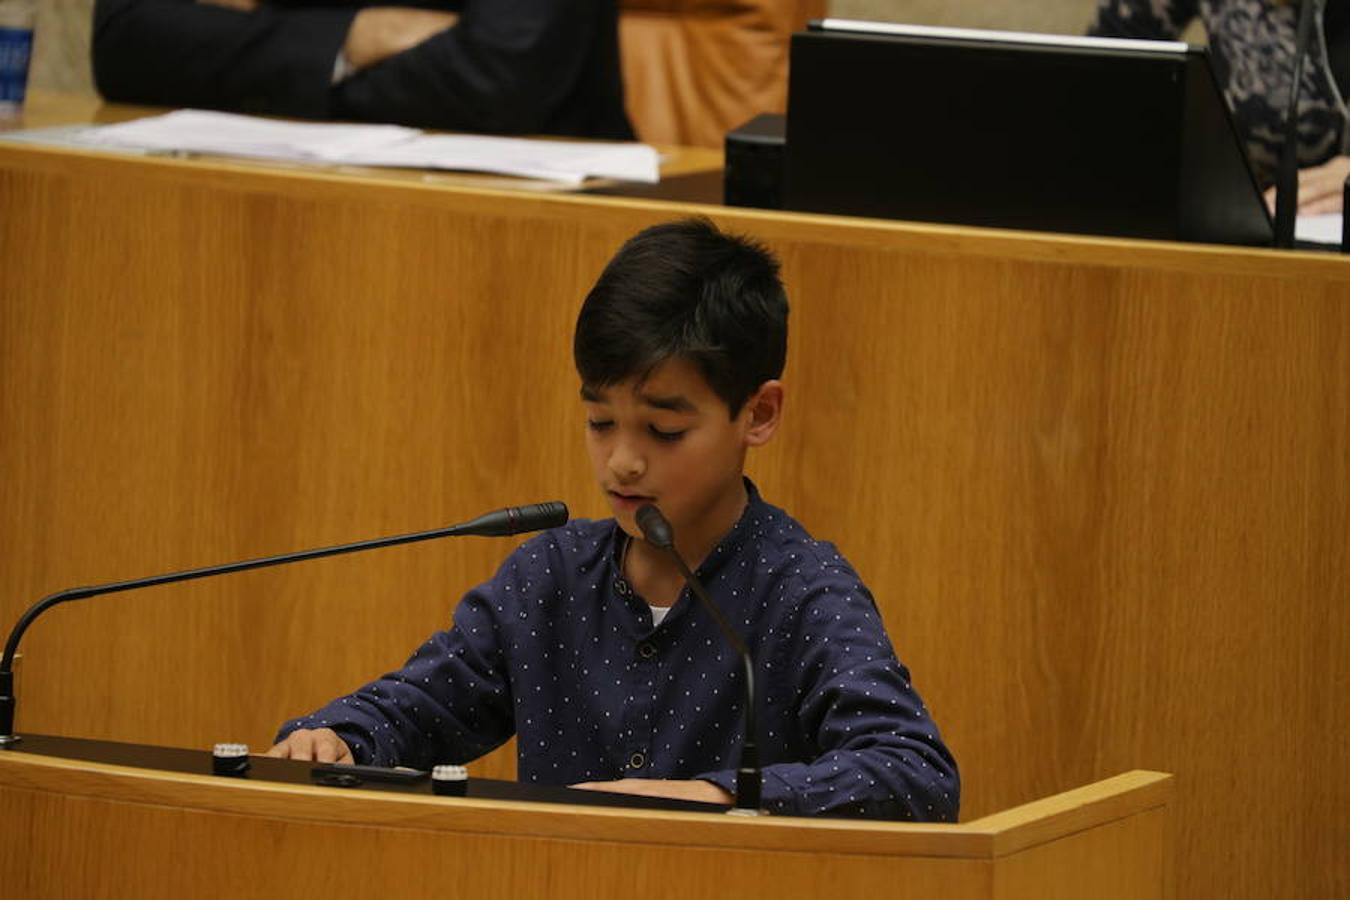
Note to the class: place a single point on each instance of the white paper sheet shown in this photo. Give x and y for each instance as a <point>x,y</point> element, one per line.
<point>568,161</point>
<point>198,131</point>
<point>228,134</point>
<point>1319,229</point>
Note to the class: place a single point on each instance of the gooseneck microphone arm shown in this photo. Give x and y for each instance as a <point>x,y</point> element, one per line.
<point>512,520</point>
<point>659,534</point>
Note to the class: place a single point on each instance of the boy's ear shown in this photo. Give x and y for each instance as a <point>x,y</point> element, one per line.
<point>763,410</point>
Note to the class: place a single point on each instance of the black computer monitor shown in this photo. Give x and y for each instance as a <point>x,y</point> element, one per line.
<point>1046,132</point>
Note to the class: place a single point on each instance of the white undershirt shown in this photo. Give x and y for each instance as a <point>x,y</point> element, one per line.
<point>659,613</point>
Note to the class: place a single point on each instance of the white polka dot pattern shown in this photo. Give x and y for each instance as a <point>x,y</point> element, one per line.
<point>559,651</point>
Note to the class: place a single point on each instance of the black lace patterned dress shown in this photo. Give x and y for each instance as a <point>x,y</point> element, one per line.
<point>1252,44</point>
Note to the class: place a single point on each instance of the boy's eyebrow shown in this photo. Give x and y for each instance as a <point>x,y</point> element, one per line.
<point>675,403</point>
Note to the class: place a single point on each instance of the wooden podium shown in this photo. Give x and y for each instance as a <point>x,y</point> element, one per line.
<point>87,828</point>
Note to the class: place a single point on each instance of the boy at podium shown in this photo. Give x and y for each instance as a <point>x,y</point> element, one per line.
<point>586,644</point>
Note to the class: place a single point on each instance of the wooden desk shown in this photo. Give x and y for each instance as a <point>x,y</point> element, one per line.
<point>74,828</point>
<point>1101,488</point>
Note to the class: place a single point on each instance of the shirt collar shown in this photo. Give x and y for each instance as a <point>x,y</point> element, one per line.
<point>728,547</point>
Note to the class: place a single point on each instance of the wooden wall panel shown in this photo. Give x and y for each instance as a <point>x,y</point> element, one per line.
<point>1100,488</point>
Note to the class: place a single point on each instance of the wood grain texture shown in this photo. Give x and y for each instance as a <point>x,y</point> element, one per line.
<point>1003,834</point>
<point>1100,488</point>
<point>89,830</point>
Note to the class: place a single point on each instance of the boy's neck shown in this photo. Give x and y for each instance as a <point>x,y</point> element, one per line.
<point>655,575</point>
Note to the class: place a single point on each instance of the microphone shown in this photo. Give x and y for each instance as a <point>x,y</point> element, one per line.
<point>512,520</point>
<point>515,520</point>
<point>1286,175</point>
<point>656,529</point>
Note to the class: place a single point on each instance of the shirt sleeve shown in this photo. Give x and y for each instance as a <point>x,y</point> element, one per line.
<point>868,745</point>
<point>276,60</point>
<point>1144,19</point>
<point>450,703</point>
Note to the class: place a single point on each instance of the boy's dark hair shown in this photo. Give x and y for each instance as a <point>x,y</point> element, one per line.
<point>686,289</point>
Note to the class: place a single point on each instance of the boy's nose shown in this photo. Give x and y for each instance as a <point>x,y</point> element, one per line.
<point>626,465</point>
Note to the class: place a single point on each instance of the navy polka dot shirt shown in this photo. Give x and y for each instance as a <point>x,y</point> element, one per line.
<point>558,650</point>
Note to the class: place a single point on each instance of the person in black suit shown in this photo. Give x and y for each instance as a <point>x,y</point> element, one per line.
<point>501,66</point>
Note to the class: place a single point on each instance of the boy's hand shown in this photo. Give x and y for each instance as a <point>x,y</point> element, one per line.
<point>702,791</point>
<point>318,745</point>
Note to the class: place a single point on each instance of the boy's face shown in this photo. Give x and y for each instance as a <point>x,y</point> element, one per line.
<point>669,440</point>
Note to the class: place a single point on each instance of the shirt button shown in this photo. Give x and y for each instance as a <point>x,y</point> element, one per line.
<point>646,650</point>
<point>637,761</point>
<point>621,587</point>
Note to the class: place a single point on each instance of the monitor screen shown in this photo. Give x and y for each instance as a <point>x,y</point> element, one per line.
<point>1044,132</point>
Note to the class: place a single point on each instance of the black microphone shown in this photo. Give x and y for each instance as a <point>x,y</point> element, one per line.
<point>656,529</point>
<point>513,520</point>
<point>1286,176</point>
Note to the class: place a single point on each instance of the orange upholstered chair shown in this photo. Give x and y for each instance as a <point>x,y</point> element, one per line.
<point>695,69</point>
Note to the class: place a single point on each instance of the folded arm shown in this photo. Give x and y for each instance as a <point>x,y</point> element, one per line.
<point>272,59</point>
<point>501,65</point>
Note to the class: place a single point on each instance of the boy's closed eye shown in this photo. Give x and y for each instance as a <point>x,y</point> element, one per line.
<point>668,435</point>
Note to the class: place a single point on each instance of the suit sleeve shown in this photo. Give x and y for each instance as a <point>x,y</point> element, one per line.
<point>275,60</point>
<point>506,67</point>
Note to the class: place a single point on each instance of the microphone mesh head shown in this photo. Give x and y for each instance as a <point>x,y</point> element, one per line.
<point>654,527</point>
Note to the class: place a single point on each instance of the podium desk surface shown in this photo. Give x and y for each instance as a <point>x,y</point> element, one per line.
<point>687,173</point>
<point>170,777</point>
<point>266,770</point>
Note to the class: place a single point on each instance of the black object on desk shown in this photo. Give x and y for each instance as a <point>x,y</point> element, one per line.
<point>756,162</point>
<point>1080,135</point>
<point>1345,217</point>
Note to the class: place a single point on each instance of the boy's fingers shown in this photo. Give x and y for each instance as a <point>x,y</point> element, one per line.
<point>325,750</point>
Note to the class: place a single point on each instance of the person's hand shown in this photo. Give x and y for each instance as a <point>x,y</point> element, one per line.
<point>241,5</point>
<point>379,32</point>
<point>1321,189</point>
<point>702,791</point>
<point>318,745</point>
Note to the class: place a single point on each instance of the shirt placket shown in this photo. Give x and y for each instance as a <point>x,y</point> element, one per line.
<point>639,702</point>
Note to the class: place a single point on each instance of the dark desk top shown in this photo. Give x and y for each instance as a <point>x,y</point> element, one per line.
<point>285,771</point>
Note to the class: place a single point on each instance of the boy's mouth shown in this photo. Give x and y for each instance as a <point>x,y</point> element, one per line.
<point>628,501</point>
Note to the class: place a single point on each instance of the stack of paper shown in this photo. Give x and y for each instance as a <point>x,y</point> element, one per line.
<point>227,134</point>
